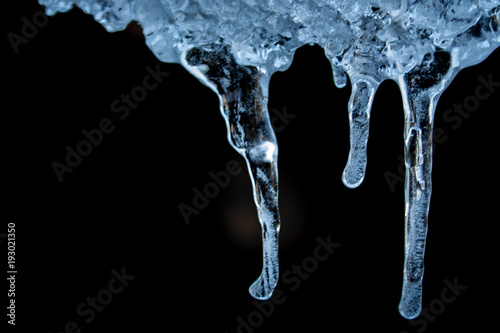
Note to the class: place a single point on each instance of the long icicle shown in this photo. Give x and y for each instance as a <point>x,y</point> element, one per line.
<point>243,95</point>
<point>420,89</point>
<point>419,106</point>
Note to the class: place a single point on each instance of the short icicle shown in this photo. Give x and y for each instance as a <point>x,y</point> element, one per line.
<point>360,104</point>
<point>243,95</point>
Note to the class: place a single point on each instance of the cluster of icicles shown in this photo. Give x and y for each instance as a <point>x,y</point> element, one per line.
<point>235,46</point>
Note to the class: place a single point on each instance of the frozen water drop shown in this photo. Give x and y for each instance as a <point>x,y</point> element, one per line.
<point>339,76</point>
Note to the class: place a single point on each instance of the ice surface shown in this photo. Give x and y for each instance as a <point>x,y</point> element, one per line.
<point>235,46</point>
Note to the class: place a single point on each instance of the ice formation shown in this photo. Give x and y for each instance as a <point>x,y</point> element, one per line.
<point>235,46</point>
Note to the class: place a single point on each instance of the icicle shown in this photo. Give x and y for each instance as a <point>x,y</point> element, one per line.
<point>420,89</point>
<point>419,110</point>
<point>420,46</point>
<point>360,104</point>
<point>242,92</point>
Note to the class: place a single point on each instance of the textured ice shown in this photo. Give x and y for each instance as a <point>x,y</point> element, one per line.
<point>234,47</point>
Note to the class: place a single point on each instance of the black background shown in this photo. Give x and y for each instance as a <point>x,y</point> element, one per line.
<point>119,207</point>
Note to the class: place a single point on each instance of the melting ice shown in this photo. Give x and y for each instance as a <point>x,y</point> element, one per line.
<point>235,46</point>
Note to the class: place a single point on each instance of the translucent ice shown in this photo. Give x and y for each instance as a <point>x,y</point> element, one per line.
<point>235,46</point>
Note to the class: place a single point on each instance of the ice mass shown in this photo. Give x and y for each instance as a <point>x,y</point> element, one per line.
<point>234,47</point>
